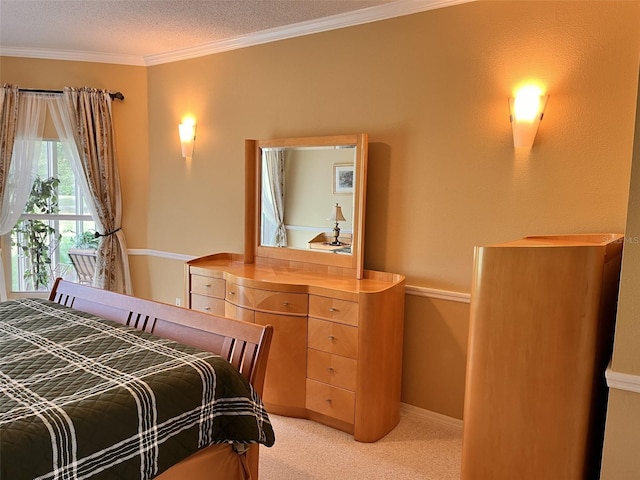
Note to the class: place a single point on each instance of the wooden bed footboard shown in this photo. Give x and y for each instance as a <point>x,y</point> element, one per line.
<point>244,345</point>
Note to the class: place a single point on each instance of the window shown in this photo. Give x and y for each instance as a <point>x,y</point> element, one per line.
<point>55,219</point>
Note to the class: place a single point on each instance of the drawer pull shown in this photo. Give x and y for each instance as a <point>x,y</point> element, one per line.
<point>232,293</point>
<point>331,338</point>
<point>328,400</point>
<point>207,308</point>
<point>208,285</point>
<point>330,369</point>
<point>332,309</point>
<point>286,304</point>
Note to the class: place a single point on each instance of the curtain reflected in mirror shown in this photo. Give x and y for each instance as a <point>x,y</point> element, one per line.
<point>273,231</point>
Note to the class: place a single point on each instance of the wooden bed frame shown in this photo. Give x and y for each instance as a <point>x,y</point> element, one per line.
<point>244,345</point>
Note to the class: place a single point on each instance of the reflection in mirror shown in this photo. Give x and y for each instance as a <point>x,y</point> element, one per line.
<point>300,188</point>
<point>293,186</point>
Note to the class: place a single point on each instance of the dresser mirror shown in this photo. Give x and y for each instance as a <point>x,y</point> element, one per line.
<point>306,200</point>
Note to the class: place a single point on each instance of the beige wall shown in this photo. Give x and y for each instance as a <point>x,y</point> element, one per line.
<point>622,436</point>
<point>625,356</point>
<point>435,354</point>
<point>431,91</point>
<point>620,457</point>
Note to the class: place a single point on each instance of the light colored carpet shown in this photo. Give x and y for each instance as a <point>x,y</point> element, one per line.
<point>418,448</point>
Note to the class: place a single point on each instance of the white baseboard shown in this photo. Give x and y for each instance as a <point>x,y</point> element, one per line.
<point>436,417</point>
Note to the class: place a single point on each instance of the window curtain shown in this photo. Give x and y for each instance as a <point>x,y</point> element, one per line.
<point>273,195</point>
<point>61,119</point>
<point>23,116</point>
<point>91,121</point>
<point>8,125</point>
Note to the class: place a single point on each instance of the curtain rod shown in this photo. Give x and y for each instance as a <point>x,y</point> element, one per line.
<point>113,95</point>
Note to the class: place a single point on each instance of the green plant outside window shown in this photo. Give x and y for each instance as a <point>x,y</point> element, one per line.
<point>55,219</point>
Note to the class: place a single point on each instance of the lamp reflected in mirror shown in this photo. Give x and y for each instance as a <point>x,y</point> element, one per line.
<point>337,217</point>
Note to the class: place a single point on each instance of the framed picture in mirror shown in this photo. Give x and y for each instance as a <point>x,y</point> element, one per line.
<point>343,178</point>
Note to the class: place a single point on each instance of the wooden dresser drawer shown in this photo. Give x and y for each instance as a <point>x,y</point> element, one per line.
<point>212,287</point>
<point>331,401</point>
<point>332,337</point>
<point>239,313</point>
<point>332,369</point>
<point>267,300</point>
<point>333,309</point>
<point>207,304</point>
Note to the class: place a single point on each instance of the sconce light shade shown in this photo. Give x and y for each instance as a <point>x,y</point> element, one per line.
<point>527,109</point>
<point>187,137</point>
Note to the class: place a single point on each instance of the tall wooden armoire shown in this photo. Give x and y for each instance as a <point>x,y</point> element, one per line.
<point>540,338</point>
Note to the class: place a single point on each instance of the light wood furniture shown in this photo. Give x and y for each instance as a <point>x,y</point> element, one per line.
<point>244,345</point>
<point>541,332</point>
<point>336,355</point>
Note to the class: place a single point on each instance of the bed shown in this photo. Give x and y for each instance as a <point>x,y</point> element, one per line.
<point>101,385</point>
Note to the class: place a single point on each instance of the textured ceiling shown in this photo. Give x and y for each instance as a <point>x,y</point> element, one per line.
<point>151,27</point>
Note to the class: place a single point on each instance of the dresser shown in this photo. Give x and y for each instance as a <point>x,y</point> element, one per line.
<point>336,354</point>
<point>540,338</point>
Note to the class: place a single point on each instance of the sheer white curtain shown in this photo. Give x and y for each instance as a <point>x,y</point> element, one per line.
<point>22,171</point>
<point>274,232</point>
<point>62,123</point>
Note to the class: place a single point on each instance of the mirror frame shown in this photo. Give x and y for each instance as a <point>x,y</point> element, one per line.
<point>354,263</point>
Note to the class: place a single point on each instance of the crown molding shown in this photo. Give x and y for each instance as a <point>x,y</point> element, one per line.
<point>72,55</point>
<point>372,14</point>
<point>334,22</point>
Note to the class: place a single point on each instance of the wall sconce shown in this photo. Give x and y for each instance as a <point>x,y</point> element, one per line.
<point>336,216</point>
<point>527,109</point>
<point>187,131</point>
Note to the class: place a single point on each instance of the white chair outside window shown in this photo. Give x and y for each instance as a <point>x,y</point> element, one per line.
<point>84,262</point>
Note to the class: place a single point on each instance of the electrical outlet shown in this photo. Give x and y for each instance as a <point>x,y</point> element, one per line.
<point>178,301</point>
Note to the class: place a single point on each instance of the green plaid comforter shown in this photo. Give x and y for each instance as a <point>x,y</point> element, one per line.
<point>85,397</point>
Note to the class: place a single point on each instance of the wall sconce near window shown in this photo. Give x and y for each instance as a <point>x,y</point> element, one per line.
<point>527,109</point>
<point>187,131</point>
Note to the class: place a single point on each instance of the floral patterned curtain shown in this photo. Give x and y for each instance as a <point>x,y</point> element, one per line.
<point>8,125</point>
<point>9,95</point>
<point>273,194</point>
<point>90,111</point>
